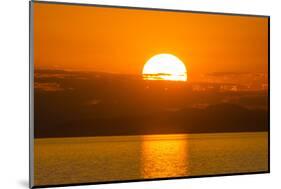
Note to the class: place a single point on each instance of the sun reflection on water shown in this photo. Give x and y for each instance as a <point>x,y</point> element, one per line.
<point>162,157</point>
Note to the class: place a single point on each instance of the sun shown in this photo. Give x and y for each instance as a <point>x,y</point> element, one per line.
<point>164,67</point>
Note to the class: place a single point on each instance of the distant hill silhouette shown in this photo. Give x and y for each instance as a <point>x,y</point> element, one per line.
<point>216,118</point>
<point>102,104</point>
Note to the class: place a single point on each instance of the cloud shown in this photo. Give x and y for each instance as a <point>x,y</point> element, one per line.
<point>49,87</point>
<point>49,75</point>
<point>235,74</point>
<point>240,81</point>
<point>94,101</point>
<point>223,74</point>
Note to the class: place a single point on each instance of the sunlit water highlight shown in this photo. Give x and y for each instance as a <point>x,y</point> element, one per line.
<point>97,159</point>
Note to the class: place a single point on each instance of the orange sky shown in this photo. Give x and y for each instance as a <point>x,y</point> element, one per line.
<point>121,40</point>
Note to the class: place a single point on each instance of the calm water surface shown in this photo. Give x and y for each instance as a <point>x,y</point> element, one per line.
<point>95,159</point>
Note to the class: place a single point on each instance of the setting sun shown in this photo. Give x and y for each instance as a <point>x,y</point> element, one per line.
<point>164,67</point>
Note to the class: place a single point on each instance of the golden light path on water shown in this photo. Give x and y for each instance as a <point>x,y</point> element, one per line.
<point>115,158</point>
<point>154,152</point>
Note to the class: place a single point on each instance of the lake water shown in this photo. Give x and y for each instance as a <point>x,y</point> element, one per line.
<point>97,159</point>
